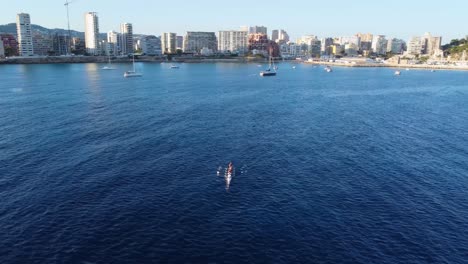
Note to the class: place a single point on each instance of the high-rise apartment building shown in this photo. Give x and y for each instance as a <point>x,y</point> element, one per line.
<point>168,43</point>
<point>233,41</point>
<point>43,44</point>
<point>396,46</point>
<point>366,41</point>
<point>196,41</point>
<point>275,34</point>
<point>126,34</point>
<point>326,43</point>
<point>25,40</point>
<point>379,44</point>
<point>258,30</point>
<point>92,33</point>
<point>414,46</point>
<point>430,45</point>
<point>180,42</point>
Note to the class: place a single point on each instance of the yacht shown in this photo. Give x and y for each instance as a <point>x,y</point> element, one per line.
<point>133,73</point>
<point>271,71</point>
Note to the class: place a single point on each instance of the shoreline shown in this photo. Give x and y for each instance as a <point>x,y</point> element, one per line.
<point>104,59</point>
<point>390,65</point>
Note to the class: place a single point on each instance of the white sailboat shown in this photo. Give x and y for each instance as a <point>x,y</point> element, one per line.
<point>133,73</point>
<point>229,173</point>
<point>109,65</point>
<point>271,71</point>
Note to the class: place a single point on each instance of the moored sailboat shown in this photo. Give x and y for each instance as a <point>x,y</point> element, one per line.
<point>271,71</point>
<point>133,73</point>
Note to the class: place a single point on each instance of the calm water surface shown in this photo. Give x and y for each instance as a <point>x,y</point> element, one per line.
<point>353,166</point>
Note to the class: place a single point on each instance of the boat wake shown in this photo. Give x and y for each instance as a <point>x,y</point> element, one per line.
<point>229,172</point>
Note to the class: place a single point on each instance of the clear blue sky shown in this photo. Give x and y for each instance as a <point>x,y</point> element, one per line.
<point>397,18</point>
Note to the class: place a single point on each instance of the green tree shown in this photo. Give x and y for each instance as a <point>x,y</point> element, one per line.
<point>9,51</point>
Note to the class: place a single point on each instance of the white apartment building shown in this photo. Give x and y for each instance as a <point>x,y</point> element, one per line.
<point>414,46</point>
<point>233,41</point>
<point>92,33</point>
<point>113,43</point>
<point>379,44</point>
<point>126,35</point>
<point>196,41</point>
<point>430,45</point>
<point>25,40</point>
<point>150,45</point>
<point>168,43</point>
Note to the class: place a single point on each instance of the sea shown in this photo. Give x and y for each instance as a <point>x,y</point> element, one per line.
<point>353,166</point>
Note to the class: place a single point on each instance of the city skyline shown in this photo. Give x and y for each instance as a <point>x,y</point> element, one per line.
<point>401,19</point>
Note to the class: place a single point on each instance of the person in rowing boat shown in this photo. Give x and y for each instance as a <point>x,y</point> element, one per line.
<point>230,167</point>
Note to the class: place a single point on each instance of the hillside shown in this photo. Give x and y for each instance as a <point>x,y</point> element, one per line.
<point>456,47</point>
<point>11,29</point>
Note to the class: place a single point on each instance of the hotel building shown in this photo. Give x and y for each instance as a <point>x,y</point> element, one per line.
<point>92,33</point>
<point>25,40</point>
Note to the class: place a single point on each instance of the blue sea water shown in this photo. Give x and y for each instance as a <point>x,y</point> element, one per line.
<point>353,166</point>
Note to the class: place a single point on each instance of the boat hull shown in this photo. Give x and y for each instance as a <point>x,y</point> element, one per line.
<point>266,74</point>
<point>132,74</point>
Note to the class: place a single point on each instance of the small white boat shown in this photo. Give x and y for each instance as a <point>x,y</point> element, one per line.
<point>328,69</point>
<point>407,69</point>
<point>174,67</point>
<point>109,65</point>
<point>294,67</point>
<point>397,72</point>
<point>133,73</point>
<point>108,68</point>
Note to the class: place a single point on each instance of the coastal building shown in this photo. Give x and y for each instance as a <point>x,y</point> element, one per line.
<point>43,44</point>
<point>126,39</point>
<point>325,46</point>
<point>180,42</point>
<point>429,44</point>
<point>311,45</point>
<point>168,43</point>
<point>291,50</point>
<point>396,46</point>
<point>92,33</point>
<point>351,49</point>
<point>365,42</point>
<point>354,40</point>
<point>379,45</point>
<point>336,50</point>
<point>59,44</point>
<point>24,31</point>
<point>279,36</point>
<point>150,45</point>
<point>414,46</point>
<point>10,44</point>
<point>113,47</point>
<point>274,34</point>
<point>78,46</point>
<point>2,50</point>
<point>260,44</point>
<point>258,30</point>
<point>194,42</point>
<point>233,41</point>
